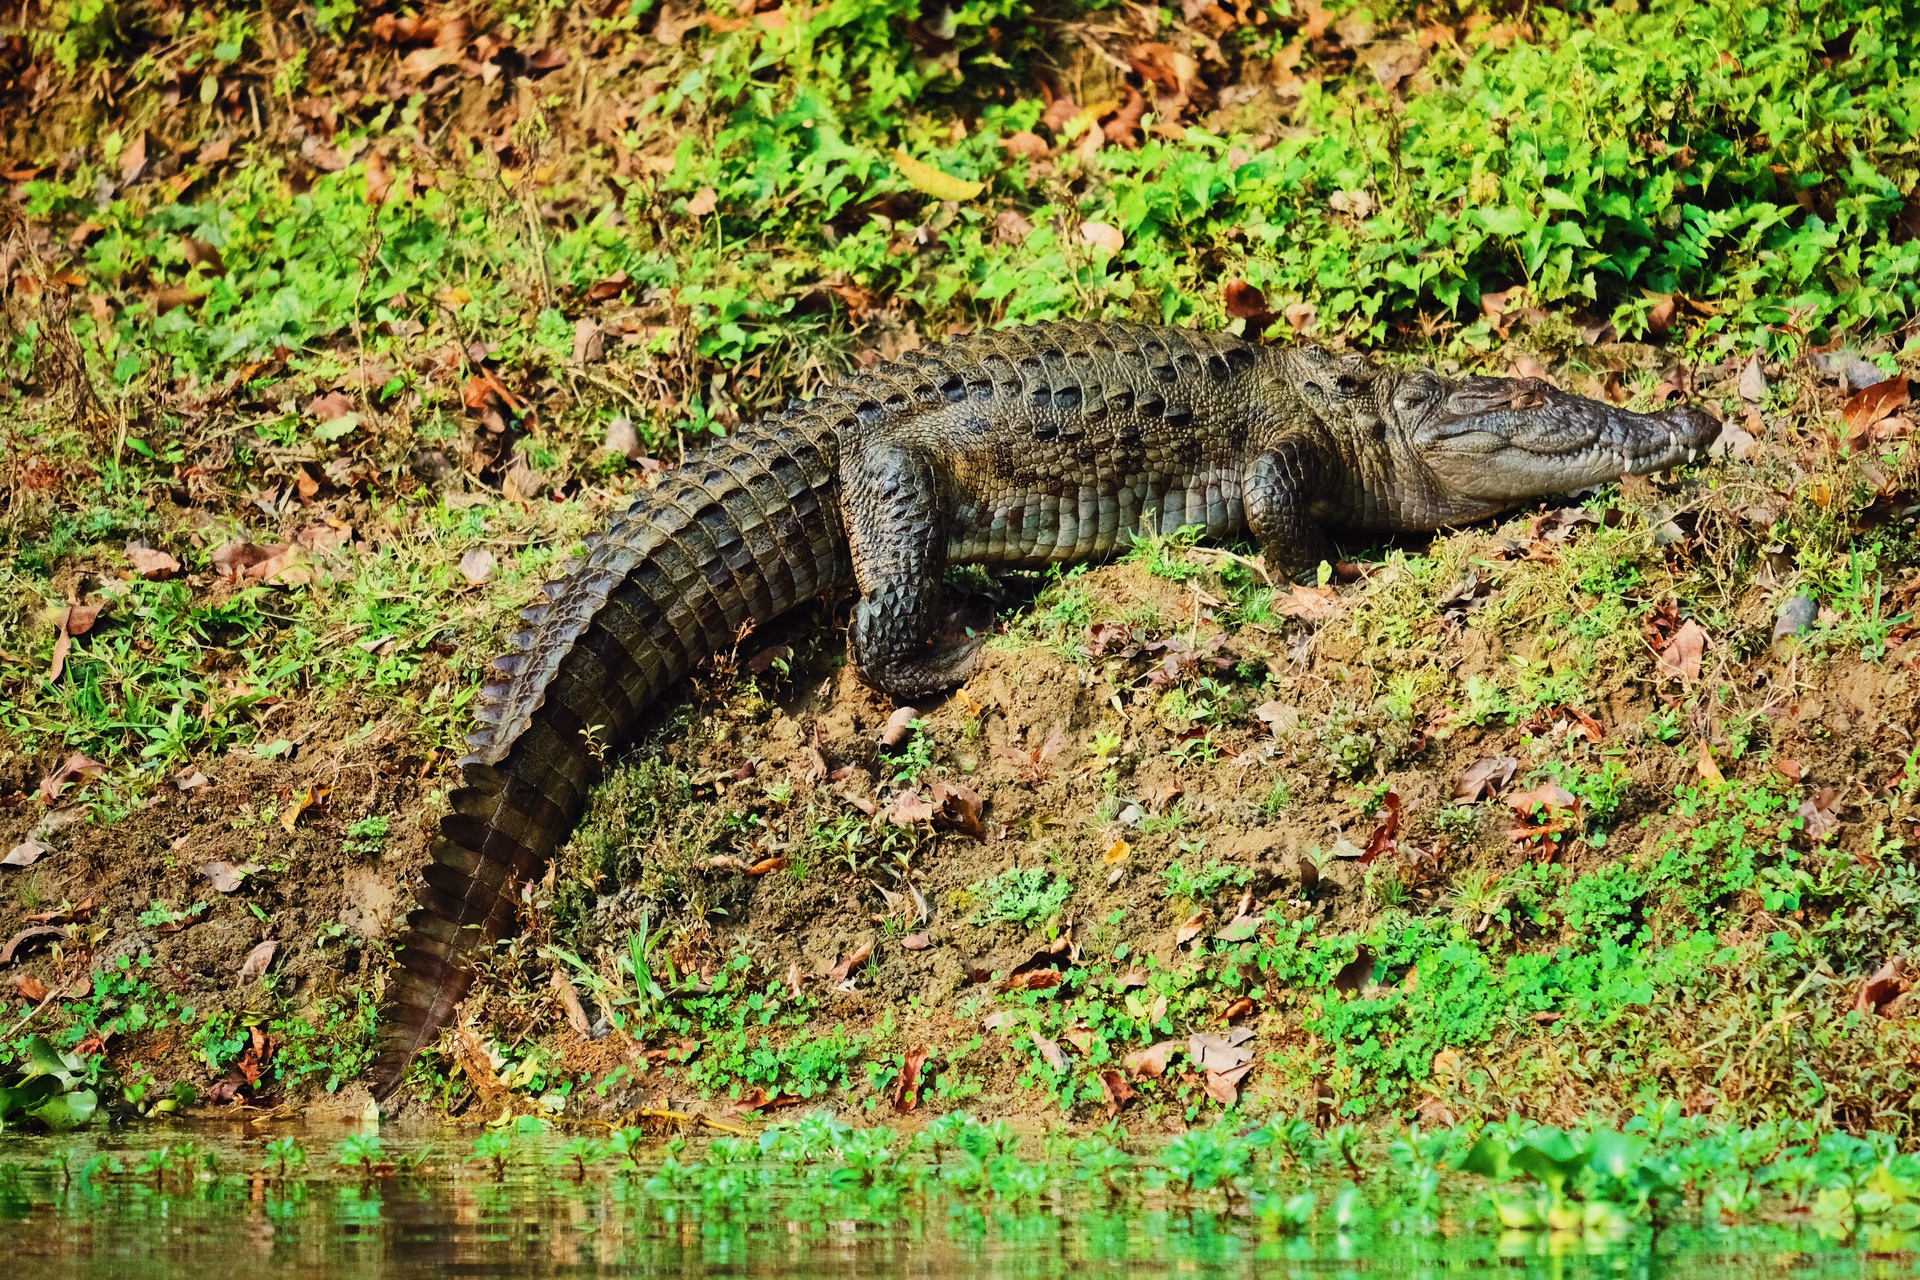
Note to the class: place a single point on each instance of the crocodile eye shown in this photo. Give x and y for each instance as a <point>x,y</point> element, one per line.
<point>1413,396</point>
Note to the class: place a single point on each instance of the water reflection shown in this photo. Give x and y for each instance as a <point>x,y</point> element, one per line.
<point>446,1216</point>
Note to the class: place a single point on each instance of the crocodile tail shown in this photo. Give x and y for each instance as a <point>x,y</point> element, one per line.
<point>738,536</point>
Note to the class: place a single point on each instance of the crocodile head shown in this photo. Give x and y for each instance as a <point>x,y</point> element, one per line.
<point>1506,440</point>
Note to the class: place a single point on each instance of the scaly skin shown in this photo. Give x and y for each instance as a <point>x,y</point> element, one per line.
<point>1020,447</point>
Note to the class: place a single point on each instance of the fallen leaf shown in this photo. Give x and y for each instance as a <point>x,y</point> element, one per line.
<point>226,877</point>
<point>1880,990</point>
<point>1011,227</point>
<point>1383,840</point>
<point>1133,979</point>
<point>62,646</point>
<point>1660,318</point>
<point>704,202</point>
<point>941,186</point>
<point>133,158</point>
<point>1170,71</point>
<point>1118,1092</point>
<point>906,1091</point>
<point>1239,929</point>
<point>1239,1008</point>
<point>31,987</point>
<point>1152,1062</point>
<point>1682,654</point>
<point>1356,973</point>
<point>216,151</point>
<point>608,287</point>
<point>78,619</point>
<point>1870,404</point>
<point>1549,796</point>
<point>1709,771</point>
<point>476,566</point>
<point>1753,382</point>
<point>767,866</point>
<point>898,726</point>
<point>1817,811</point>
<point>909,808</point>
<point>569,998</point>
<point>28,940</point>
<point>1116,853</point>
<point>1034,980</point>
<point>1484,778</point>
<point>1220,1051</point>
<point>1024,143</point>
<point>297,805</point>
<point>916,942</point>
<point>958,807</point>
<point>77,767</point>
<point>1100,235</point>
<point>1050,1050</point>
<point>1194,926</point>
<point>1245,302</point>
<point>1311,604</point>
<point>152,565</point>
<point>840,974</point>
<point>255,965</point>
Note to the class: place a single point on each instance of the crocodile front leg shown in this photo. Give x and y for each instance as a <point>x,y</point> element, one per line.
<point>899,539</point>
<point>1277,493</point>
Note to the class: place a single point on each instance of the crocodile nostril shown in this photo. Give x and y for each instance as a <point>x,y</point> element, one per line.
<point>1313,388</point>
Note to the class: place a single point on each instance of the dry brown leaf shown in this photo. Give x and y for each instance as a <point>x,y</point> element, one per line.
<point>1681,657</point>
<point>77,767</point>
<point>1116,853</point>
<point>1550,796</point>
<point>569,998</point>
<point>133,158</point>
<point>1356,973</point>
<point>257,961</point>
<point>841,974</point>
<point>1151,1063</point>
<point>227,877</point>
<point>1050,1050</point>
<point>908,808</point>
<point>1118,1092</point>
<point>24,854</point>
<point>959,808</point>
<point>152,565</point>
<point>476,566</point>
<point>1880,990</point>
<point>1311,604</point>
<point>1024,143</point>
<point>1484,778</point>
<point>916,942</point>
<point>703,202</point>
<point>906,1090</point>
<point>1870,404</point>
<point>1195,925</point>
<point>1101,235</point>
<point>1245,302</point>
<point>898,726</point>
<point>1709,771</point>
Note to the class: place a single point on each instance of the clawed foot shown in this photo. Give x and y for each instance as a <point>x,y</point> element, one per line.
<point>950,659</point>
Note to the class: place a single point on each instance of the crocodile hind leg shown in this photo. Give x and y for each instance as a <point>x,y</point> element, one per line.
<point>1277,492</point>
<point>899,541</point>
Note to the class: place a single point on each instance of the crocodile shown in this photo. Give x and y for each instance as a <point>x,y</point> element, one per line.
<point>1019,447</point>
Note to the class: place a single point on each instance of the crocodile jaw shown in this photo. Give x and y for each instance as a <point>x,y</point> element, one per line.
<point>1500,440</point>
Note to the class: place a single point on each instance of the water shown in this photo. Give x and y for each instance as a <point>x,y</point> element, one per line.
<point>448,1215</point>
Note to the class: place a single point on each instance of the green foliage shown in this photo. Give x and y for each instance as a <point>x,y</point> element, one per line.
<point>1020,895</point>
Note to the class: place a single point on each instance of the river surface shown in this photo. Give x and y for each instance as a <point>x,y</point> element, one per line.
<point>102,1205</point>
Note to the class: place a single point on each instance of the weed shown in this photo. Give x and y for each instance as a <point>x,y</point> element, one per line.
<point>1020,895</point>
